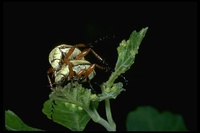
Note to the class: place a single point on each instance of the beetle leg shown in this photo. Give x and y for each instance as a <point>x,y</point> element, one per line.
<point>66,61</point>
<point>71,50</point>
<point>86,51</point>
<point>71,72</point>
<point>83,53</point>
<point>80,73</point>
<point>107,68</point>
<point>83,73</point>
<point>89,70</point>
<point>48,72</point>
<point>82,45</point>
<point>102,68</point>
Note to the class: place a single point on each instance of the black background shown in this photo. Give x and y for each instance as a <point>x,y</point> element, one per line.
<point>164,74</point>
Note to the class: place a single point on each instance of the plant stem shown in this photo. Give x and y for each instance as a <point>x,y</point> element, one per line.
<point>98,119</point>
<point>111,79</point>
<point>109,114</point>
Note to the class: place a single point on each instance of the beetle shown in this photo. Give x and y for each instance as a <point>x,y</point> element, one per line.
<point>68,61</point>
<point>76,70</point>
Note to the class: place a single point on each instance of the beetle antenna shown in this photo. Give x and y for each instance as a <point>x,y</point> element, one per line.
<point>125,81</point>
<point>102,39</point>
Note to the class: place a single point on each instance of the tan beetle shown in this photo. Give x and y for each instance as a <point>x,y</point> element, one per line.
<point>68,62</point>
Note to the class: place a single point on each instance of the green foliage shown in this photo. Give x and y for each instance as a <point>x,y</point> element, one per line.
<point>109,93</point>
<point>14,123</point>
<point>74,93</point>
<point>73,105</point>
<point>82,103</point>
<point>67,114</point>
<point>70,105</point>
<point>146,118</point>
<point>126,54</point>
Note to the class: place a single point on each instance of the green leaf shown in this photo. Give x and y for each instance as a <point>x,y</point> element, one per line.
<point>14,123</point>
<point>126,54</point>
<point>146,118</point>
<point>72,104</point>
<point>109,93</point>
<point>66,114</point>
<point>75,94</point>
